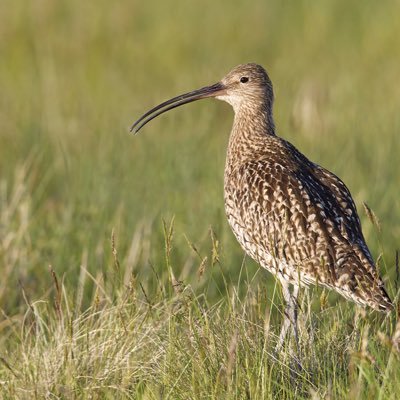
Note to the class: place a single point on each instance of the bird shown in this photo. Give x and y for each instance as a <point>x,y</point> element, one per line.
<point>295,218</point>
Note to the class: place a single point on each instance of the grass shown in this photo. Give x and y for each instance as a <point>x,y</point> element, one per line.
<point>98,298</point>
<point>132,342</point>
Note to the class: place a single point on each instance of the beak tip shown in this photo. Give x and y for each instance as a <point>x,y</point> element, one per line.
<point>133,130</point>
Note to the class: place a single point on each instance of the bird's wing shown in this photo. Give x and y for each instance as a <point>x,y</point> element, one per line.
<point>349,213</point>
<point>308,221</point>
<point>336,199</point>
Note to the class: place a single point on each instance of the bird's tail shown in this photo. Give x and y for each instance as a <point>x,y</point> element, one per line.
<point>364,286</point>
<point>381,300</point>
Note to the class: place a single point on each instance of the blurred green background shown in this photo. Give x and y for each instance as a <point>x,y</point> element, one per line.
<point>74,76</point>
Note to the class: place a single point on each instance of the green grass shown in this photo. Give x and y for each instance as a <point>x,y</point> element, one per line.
<point>110,321</point>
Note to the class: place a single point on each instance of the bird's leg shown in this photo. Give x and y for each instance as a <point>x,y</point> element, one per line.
<point>290,314</point>
<point>295,311</point>
<point>290,319</point>
<point>286,318</point>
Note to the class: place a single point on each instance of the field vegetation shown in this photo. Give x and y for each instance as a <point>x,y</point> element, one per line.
<point>120,277</point>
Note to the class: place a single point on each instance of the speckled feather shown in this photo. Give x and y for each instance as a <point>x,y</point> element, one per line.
<point>292,216</point>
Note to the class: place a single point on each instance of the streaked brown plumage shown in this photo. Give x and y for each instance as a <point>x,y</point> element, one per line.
<point>292,216</point>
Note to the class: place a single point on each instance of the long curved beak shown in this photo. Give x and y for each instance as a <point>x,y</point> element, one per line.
<point>208,91</point>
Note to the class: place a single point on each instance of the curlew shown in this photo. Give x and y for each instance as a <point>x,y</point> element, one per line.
<point>292,216</point>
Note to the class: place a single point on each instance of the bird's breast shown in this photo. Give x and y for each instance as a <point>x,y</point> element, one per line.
<point>245,210</point>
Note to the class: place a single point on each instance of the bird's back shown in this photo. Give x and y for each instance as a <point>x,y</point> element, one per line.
<point>299,220</point>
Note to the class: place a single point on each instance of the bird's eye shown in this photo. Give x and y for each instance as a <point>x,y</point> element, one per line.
<point>244,79</point>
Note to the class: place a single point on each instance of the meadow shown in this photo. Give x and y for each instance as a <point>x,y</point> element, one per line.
<point>120,277</point>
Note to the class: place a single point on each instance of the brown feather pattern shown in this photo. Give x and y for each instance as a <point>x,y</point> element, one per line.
<point>292,216</point>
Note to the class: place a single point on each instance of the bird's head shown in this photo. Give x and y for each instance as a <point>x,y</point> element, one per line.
<point>246,86</point>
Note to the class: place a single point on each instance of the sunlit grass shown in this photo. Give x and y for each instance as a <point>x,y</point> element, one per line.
<point>73,77</point>
<point>141,342</point>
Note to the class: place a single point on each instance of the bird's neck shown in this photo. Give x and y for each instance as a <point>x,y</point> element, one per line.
<point>253,128</point>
